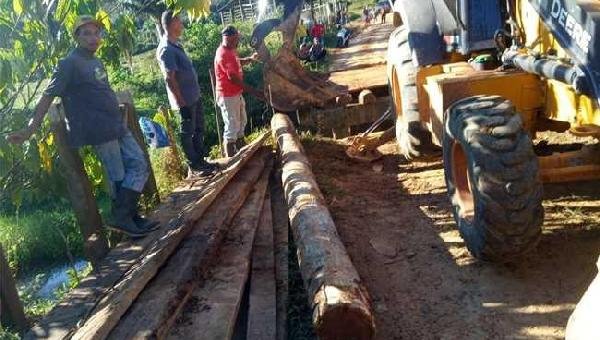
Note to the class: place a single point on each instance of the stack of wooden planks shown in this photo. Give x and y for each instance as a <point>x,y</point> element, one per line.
<point>187,280</point>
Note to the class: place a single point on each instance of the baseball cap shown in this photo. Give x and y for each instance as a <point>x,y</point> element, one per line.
<point>229,31</point>
<point>84,20</point>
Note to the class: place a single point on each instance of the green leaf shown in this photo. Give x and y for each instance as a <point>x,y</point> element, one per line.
<point>104,18</point>
<point>18,6</point>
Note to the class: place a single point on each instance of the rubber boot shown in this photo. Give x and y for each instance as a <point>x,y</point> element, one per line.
<point>141,222</point>
<point>229,148</point>
<point>122,216</point>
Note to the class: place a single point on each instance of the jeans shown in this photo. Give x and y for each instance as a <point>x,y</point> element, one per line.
<point>233,110</point>
<point>192,132</point>
<point>124,161</point>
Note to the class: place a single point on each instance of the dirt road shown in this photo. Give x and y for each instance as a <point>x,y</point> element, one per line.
<point>362,64</point>
<point>398,229</point>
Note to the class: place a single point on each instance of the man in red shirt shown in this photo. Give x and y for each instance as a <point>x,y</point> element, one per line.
<point>318,31</point>
<point>229,87</point>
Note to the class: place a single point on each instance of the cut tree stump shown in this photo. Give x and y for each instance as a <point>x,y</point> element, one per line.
<point>340,303</point>
<point>118,265</point>
<point>212,311</point>
<point>280,234</point>
<point>262,311</point>
<point>159,300</point>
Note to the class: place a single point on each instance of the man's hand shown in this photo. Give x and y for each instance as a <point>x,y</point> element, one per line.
<point>19,137</point>
<point>255,56</point>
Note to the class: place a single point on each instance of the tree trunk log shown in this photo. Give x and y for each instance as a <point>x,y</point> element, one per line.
<point>341,305</point>
<point>80,191</point>
<point>11,308</point>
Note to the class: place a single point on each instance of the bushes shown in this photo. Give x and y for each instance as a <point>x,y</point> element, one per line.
<point>40,238</point>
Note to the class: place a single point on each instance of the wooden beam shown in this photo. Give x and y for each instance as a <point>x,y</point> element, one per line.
<point>177,216</point>
<point>158,305</point>
<point>212,311</point>
<point>11,308</point>
<point>341,305</point>
<point>280,233</point>
<point>262,311</point>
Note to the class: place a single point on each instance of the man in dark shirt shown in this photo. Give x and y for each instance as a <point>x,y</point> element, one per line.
<point>183,91</point>
<point>93,118</point>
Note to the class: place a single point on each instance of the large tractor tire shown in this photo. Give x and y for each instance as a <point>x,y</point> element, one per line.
<point>413,137</point>
<point>492,178</point>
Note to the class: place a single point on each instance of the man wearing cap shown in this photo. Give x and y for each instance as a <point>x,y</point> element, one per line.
<point>92,117</point>
<point>229,87</point>
<point>183,91</point>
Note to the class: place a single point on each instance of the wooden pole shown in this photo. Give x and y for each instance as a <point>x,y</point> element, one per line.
<point>213,82</point>
<point>341,305</point>
<point>80,190</point>
<point>11,308</point>
<point>151,195</point>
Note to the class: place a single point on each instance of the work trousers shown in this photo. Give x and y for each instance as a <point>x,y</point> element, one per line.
<point>192,132</point>
<point>125,162</point>
<point>233,111</point>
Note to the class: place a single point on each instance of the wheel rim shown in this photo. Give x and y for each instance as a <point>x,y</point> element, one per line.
<point>460,178</point>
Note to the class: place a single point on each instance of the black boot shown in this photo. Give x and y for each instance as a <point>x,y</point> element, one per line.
<point>122,216</point>
<point>229,148</point>
<point>141,222</point>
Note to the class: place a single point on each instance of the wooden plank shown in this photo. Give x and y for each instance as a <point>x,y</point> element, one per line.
<point>340,303</point>
<point>176,217</point>
<point>11,308</point>
<point>262,315</point>
<point>280,234</point>
<point>158,300</point>
<point>212,311</point>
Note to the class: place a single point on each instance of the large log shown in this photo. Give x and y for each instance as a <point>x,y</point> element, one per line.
<point>341,305</point>
<point>158,300</point>
<point>212,311</point>
<point>280,235</point>
<point>262,311</point>
<point>177,216</point>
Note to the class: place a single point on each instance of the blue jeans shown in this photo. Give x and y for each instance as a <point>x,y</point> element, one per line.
<point>124,161</point>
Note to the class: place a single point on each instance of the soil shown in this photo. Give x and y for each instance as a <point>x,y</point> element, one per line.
<point>395,220</point>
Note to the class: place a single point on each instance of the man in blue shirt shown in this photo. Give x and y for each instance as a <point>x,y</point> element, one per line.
<point>93,118</point>
<point>183,91</point>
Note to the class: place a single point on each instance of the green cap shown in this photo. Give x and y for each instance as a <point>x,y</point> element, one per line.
<point>84,20</point>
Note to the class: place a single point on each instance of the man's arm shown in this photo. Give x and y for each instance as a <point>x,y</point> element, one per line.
<point>174,88</point>
<point>236,79</point>
<point>249,60</point>
<point>19,137</point>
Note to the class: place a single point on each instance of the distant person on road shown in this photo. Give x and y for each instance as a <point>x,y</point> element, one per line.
<point>183,91</point>
<point>93,118</point>
<point>317,50</point>
<point>304,49</point>
<point>229,87</point>
<point>301,31</point>
<point>318,31</point>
